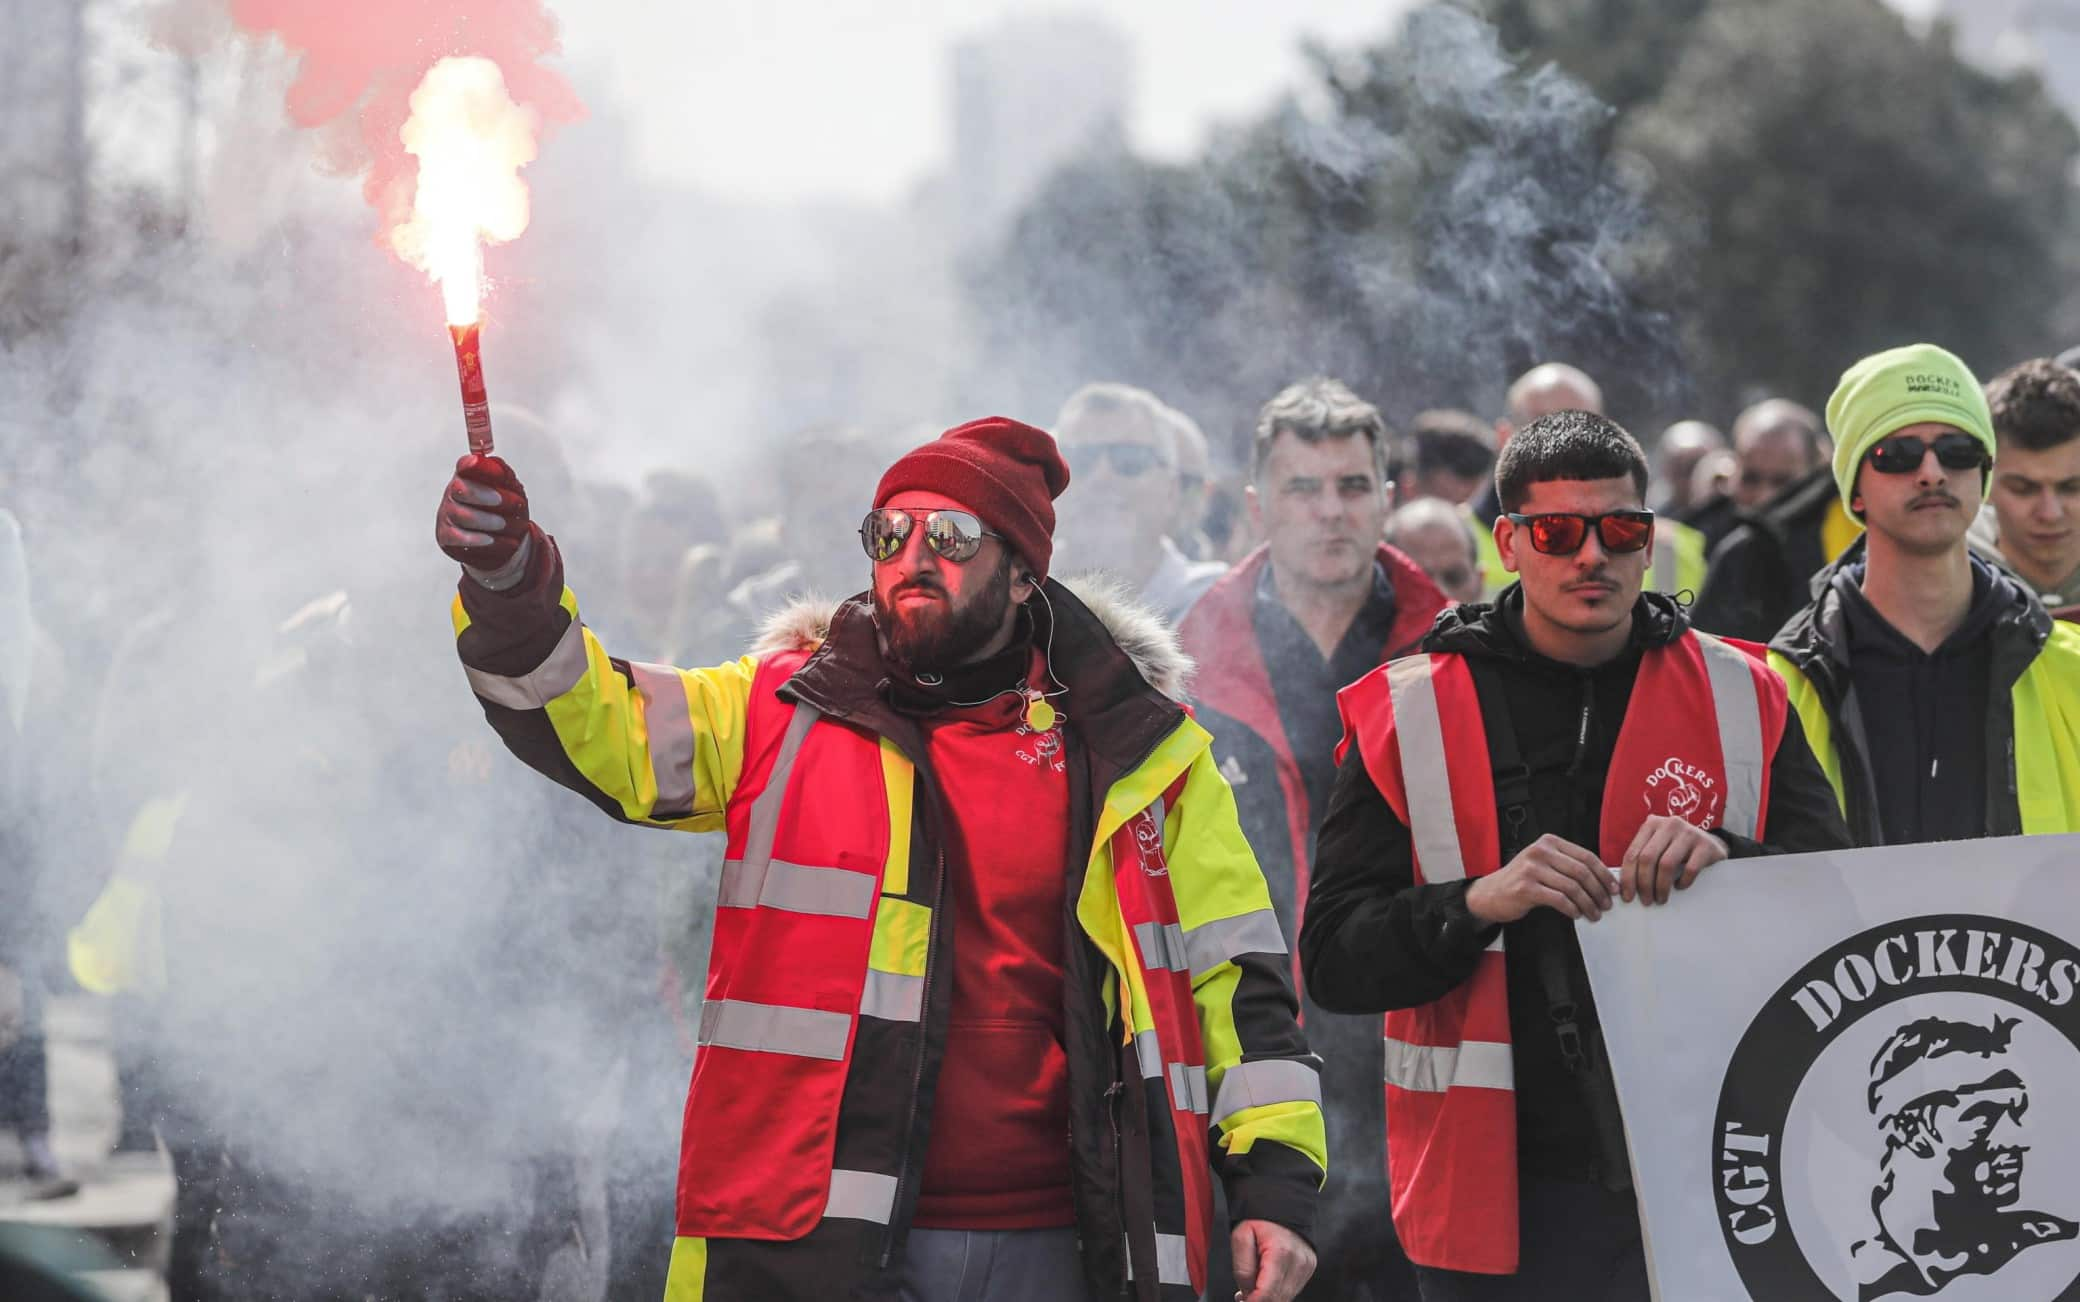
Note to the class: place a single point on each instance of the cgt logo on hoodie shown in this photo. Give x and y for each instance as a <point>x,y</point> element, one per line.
<point>1683,790</point>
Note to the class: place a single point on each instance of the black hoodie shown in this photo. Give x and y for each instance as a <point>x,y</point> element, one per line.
<point>1758,571</point>
<point>1375,940</point>
<point>1926,740</point>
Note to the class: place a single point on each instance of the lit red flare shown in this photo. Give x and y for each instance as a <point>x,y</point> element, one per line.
<point>476,406</point>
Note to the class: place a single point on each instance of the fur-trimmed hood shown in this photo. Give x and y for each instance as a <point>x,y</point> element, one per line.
<point>1141,633</point>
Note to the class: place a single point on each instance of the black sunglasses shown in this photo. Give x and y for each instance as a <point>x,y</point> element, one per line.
<point>1902,453</point>
<point>1131,460</point>
<point>954,535</point>
<point>1561,533</point>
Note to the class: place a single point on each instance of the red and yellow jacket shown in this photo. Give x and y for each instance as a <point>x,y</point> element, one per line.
<point>810,1105</point>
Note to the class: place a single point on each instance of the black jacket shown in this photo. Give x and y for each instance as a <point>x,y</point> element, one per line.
<point>1715,518</point>
<point>1375,940</point>
<point>1927,742</point>
<point>1758,575</point>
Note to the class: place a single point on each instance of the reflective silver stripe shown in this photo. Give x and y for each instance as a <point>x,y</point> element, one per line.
<point>1271,1080</point>
<point>1173,1260</point>
<point>561,670</point>
<point>671,737</point>
<point>1495,946</point>
<point>1188,1088</point>
<point>1223,940</point>
<point>1739,707</point>
<point>1148,1051</point>
<point>1162,946</point>
<point>1426,784</point>
<point>892,997</point>
<point>775,1028</point>
<point>828,892</point>
<point>1434,1068</point>
<point>861,1196</point>
<point>744,879</point>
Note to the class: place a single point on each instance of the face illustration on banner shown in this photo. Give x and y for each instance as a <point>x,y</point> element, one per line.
<point>1683,790</point>
<point>1903,1120</point>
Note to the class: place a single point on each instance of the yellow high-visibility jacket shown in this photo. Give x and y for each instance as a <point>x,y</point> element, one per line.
<point>802,1135</point>
<point>2032,727</point>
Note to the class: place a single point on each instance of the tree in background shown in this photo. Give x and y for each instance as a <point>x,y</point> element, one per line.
<point>1854,187</point>
<point>1698,200</point>
<point>1448,218</point>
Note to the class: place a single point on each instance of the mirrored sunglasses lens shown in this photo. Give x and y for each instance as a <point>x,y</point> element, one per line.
<point>1621,533</point>
<point>953,534</point>
<point>883,532</point>
<point>1557,535</point>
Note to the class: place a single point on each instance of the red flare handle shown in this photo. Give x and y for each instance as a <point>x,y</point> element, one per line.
<point>476,406</point>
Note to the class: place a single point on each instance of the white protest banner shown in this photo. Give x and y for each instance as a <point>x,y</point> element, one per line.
<point>1855,1076</point>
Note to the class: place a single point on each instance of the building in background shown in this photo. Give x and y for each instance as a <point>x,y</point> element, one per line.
<point>1029,95</point>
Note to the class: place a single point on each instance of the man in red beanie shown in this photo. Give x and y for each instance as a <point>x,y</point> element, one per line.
<point>996,987</point>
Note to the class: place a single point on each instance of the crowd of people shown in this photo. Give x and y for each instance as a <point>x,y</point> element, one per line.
<point>1258,677</point>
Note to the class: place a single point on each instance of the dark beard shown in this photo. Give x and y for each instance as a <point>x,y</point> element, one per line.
<point>932,640</point>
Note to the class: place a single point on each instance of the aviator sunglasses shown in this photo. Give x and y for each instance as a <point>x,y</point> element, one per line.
<point>954,535</point>
<point>1902,453</point>
<point>1560,533</point>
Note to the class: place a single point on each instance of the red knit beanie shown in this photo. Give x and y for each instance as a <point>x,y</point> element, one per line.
<point>1008,472</point>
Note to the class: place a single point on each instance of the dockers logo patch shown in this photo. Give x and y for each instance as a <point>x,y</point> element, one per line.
<point>1148,844</point>
<point>1902,1120</point>
<point>1685,791</point>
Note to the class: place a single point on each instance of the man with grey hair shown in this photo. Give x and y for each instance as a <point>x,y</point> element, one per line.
<point>1440,538</point>
<point>1126,495</point>
<point>1321,603</point>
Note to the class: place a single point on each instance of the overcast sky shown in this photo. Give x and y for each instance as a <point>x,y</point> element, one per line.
<point>803,99</point>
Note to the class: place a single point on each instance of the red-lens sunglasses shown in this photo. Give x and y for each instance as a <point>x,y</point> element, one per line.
<point>1561,533</point>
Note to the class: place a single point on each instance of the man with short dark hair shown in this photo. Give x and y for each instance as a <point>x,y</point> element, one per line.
<point>1572,746</point>
<point>965,816</point>
<point>2033,520</point>
<point>1451,454</point>
<point>1942,699</point>
<point>1320,603</point>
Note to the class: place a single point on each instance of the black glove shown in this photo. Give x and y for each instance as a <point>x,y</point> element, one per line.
<point>482,521</point>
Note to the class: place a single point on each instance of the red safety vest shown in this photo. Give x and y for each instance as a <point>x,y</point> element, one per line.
<point>1703,721</point>
<point>794,920</point>
<point>788,978</point>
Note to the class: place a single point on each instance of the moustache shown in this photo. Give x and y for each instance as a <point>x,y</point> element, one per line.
<point>1938,497</point>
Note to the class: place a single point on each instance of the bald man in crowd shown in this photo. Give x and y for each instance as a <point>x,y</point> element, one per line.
<point>1778,442</point>
<point>1676,456</point>
<point>1540,391</point>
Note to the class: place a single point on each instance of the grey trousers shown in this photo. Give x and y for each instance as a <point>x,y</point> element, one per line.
<point>992,1266</point>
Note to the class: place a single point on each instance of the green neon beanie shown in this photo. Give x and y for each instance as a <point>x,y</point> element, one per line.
<point>1888,391</point>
